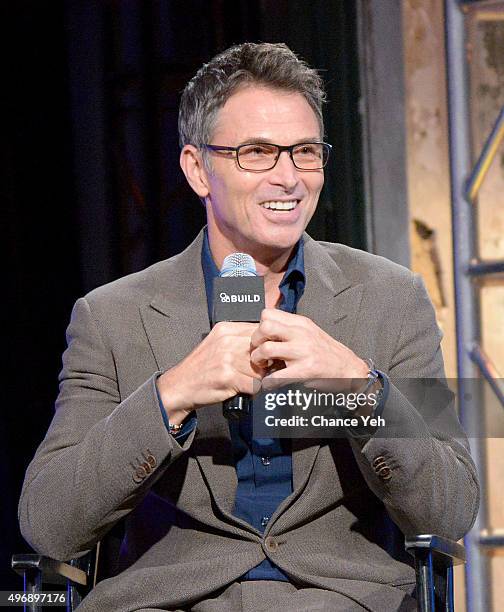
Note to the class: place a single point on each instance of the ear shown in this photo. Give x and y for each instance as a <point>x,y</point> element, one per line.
<point>192,166</point>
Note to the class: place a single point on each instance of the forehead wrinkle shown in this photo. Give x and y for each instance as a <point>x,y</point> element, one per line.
<point>263,140</point>
<point>274,116</point>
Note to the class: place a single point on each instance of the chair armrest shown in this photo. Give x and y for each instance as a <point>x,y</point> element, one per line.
<point>51,571</point>
<point>444,551</point>
<point>434,560</point>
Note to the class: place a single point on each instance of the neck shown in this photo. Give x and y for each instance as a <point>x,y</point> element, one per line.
<point>271,290</point>
<point>269,262</point>
<point>271,265</point>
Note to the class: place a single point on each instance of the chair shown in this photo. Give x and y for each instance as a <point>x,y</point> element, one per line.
<point>434,560</point>
<point>77,576</point>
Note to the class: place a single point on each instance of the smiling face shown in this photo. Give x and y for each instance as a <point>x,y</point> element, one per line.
<point>240,203</point>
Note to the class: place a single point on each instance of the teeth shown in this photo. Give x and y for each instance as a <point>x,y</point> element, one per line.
<point>273,205</point>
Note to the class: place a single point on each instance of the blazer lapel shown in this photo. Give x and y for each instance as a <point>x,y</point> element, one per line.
<point>176,321</point>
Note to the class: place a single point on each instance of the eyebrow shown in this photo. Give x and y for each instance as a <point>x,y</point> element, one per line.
<point>269,141</point>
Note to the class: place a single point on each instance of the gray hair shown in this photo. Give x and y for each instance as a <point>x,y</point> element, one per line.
<point>266,64</point>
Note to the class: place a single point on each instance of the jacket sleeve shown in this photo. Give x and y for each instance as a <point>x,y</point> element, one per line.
<point>419,463</point>
<point>83,478</point>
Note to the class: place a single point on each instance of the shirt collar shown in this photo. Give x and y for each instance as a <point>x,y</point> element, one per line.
<point>295,268</point>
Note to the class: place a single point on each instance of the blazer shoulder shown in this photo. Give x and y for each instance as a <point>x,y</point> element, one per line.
<point>362,267</point>
<point>141,287</point>
<point>136,288</point>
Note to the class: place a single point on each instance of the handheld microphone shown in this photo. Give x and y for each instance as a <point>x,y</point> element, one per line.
<point>238,295</point>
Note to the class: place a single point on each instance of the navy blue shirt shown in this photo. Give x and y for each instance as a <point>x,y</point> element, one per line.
<point>263,466</point>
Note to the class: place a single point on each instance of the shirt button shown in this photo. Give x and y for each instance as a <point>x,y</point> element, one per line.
<point>265,521</point>
<point>265,460</point>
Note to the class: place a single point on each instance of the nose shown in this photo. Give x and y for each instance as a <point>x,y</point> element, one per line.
<point>285,172</point>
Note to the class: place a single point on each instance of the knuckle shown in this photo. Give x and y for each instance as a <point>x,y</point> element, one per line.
<point>268,347</point>
<point>256,357</point>
<point>267,326</point>
<point>226,356</point>
<point>219,329</point>
<point>223,345</point>
<point>266,314</point>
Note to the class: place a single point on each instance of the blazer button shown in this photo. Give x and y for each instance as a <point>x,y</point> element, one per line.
<point>385,473</point>
<point>378,460</point>
<point>271,544</point>
<point>139,474</point>
<point>379,465</point>
<point>151,460</point>
<point>146,467</point>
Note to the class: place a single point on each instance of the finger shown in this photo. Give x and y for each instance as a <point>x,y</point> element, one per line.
<point>252,370</point>
<point>278,331</point>
<point>274,314</point>
<point>269,351</point>
<point>230,350</point>
<point>259,371</point>
<point>246,384</point>
<point>243,364</point>
<point>281,378</point>
<point>234,328</point>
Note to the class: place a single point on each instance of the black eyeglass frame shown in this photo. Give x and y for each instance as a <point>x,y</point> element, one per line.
<point>280,148</point>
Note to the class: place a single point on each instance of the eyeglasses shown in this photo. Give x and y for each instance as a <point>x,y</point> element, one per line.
<point>262,156</point>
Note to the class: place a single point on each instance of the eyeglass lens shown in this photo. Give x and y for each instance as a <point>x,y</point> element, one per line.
<point>307,156</point>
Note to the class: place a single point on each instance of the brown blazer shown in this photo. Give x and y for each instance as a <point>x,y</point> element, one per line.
<point>108,456</point>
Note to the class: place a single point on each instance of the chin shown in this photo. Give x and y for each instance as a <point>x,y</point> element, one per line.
<point>280,241</point>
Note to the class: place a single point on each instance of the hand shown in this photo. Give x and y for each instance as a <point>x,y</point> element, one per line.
<point>309,354</point>
<point>218,368</point>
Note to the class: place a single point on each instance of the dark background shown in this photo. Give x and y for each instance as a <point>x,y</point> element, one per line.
<point>91,182</point>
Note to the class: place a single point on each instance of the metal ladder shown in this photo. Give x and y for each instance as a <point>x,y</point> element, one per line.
<point>472,362</point>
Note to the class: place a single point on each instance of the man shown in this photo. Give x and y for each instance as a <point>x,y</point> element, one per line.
<point>214,518</point>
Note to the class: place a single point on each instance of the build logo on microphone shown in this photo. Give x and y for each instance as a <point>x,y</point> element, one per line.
<point>237,298</point>
<point>233,298</point>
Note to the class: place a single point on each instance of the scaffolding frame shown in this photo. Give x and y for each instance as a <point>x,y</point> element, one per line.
<point>472,362</point>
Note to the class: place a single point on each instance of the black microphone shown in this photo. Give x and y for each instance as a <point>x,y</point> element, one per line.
<point>238,295</point>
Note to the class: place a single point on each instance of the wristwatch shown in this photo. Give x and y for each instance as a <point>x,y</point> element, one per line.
<point>175,429</point>
<point>373,376</point>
